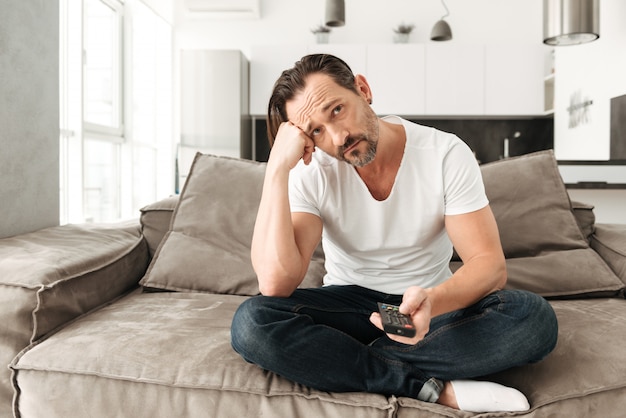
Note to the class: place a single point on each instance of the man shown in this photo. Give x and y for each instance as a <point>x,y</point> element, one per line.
<point>389,199</point>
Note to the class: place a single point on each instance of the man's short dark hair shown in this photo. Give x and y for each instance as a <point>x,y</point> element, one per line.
<point>293,80</point>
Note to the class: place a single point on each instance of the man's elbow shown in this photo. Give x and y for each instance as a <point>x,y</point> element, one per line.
<point>274,290</point>
<point>277,279</point>
<point>276,285</point>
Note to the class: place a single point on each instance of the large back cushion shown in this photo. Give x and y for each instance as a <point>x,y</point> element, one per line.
<point>207,248</point>
<point>532,206</point>
<point>546,250</point>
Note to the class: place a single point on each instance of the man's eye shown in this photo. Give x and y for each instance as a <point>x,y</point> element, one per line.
<point>337,109</point>
<point>315,132</point>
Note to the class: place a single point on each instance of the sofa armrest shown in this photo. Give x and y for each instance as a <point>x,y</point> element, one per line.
<point>609,240</point>
<point>53,275</point>
<point>68,270</point>
<point>155,221</point>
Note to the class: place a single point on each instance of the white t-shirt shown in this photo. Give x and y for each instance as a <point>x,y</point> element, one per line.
<point>399,242</point>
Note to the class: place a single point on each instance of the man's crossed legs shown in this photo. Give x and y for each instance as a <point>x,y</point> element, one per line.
<point>322,338</point>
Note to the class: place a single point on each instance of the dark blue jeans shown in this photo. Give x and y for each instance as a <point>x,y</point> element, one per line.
<point>322,338</point>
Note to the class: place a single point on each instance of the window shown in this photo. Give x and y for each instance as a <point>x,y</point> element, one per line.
<point>116,113</point>
<point>152,123</point>
<point>101,183</point>
<point>103,128</point>
<point>102,57</point>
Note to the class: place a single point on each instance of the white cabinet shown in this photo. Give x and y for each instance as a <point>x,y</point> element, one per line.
<point>398,89</point>
<point>214,106</point>
<point>423,79</point>
<point>514,79</point>
<point>396,75</point>
<point>455,79</point>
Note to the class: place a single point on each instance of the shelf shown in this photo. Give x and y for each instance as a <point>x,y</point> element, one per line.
<point>596,185</point>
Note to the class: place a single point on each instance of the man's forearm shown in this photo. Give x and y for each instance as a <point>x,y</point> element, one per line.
<point>475,280</point>
<point>476,239</point>
<point>275,256</point>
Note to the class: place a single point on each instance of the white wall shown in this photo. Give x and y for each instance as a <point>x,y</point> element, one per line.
<point>367,21</point>
<point>288,22</point>
<point>163,8</point>
<point>595,70</point>
<point>29,115</point>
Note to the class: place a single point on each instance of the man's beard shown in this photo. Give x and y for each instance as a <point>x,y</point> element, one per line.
<point>356,157</point>
<point>370,136</point>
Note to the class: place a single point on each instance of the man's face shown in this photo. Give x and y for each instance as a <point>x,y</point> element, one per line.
<point>340,122</point>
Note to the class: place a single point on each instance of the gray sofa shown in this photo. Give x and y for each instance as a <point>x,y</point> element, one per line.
<point>133,320</point>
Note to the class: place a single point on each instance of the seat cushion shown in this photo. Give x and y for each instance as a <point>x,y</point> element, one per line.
<point>165,355</point>
<point>588,364</point>
<point>168,354</point>
<point>585,375</point>
<point>54,275</point>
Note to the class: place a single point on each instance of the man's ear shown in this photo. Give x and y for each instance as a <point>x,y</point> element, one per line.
<point>363,87</point>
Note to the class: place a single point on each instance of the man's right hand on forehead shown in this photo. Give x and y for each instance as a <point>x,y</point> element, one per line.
<point>290,145</point>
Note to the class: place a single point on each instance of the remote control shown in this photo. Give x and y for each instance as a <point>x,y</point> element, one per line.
<point>395,322</point>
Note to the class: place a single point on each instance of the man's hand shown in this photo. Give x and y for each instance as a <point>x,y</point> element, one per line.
<point>290,145</point>
<point>417,305</point>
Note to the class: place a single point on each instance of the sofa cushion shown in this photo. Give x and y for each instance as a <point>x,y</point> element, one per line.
<point>531,205</point>
<point>208,245</point>
<point>207,248</point>
<point>546,249</point>
<point>169,354</point>
<point>51,276</point>
<point>608,240</point>
<point>585,375</point>
<point>550,275</point>
<point>165,355</point>
<point>586,219</point>
<point>155,221</point>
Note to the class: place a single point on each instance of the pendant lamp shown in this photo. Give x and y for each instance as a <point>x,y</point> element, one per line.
<point>570,22</point>
<point>441,31</point>
<point>335,13</point>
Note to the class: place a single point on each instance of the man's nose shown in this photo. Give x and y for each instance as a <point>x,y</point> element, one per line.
<point>338,135</point>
